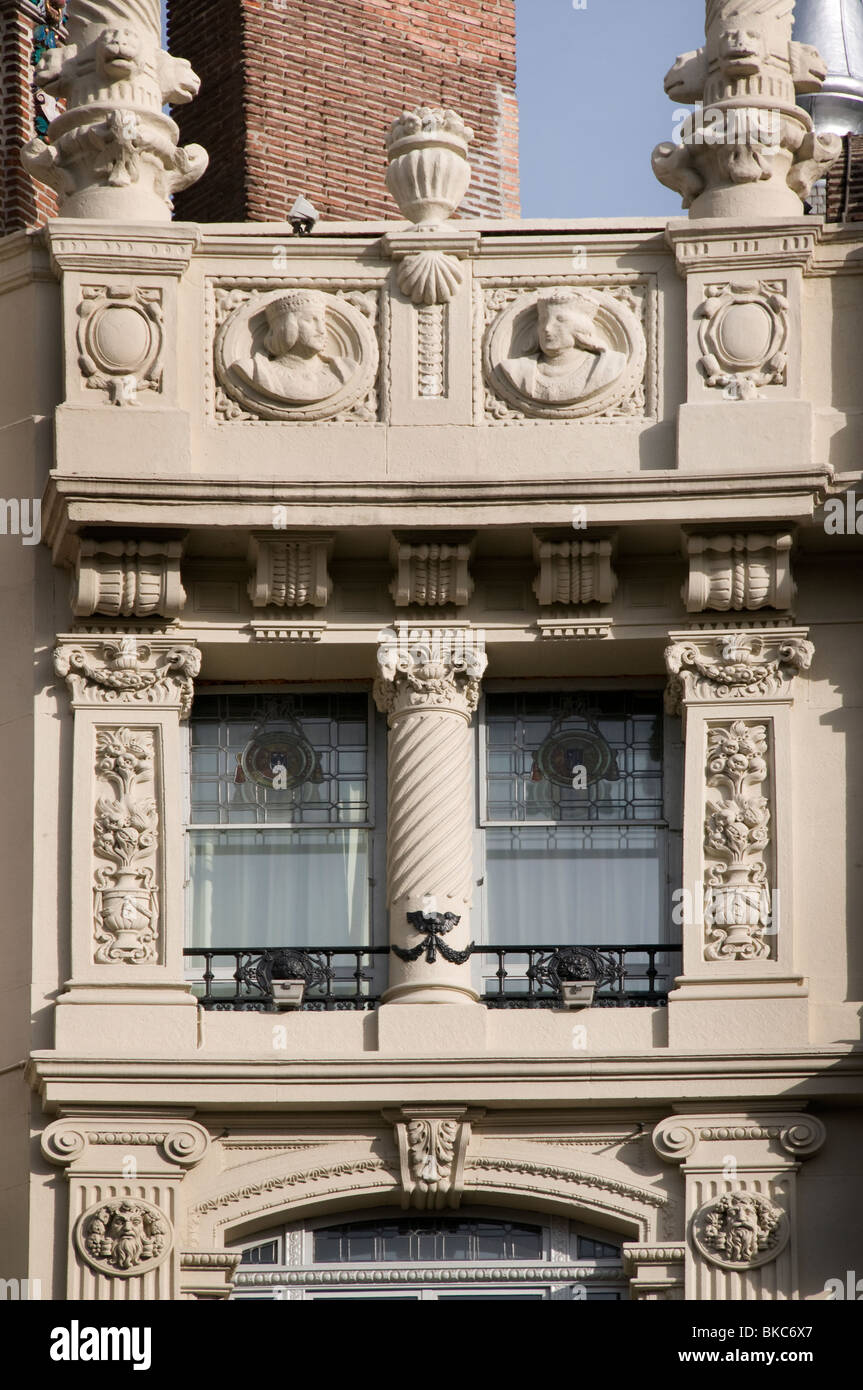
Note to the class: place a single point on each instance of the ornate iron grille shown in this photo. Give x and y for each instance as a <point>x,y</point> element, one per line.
<point>527,977</point>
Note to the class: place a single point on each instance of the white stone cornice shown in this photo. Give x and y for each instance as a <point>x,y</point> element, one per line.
<point>142,248</point>
<point>125,671</point>
<point>738,664</point>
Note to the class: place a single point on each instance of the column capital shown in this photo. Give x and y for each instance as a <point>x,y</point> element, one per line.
<point>781,1137</point>
<point>126,671</point>
<point>723,667</point>
<point>428,677</point>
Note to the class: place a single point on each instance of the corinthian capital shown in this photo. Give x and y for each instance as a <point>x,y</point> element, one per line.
<point>429,675</point>
<point>125,671</point>
<point>714,667</point>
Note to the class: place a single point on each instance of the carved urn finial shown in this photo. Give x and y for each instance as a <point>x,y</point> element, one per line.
<point>748,150</point>
<point>428,172</point>
<point>113,153</point>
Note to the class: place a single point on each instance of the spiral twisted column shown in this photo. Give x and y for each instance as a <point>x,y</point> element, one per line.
<point>429,701</point>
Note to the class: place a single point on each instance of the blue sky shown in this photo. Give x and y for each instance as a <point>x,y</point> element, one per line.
<point>593,106</point>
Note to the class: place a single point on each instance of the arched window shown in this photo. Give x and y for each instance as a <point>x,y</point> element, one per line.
<point>481,1253</point>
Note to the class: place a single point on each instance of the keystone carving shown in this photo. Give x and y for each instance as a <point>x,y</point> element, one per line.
<point>428,172</point>
<point>736,572</point>
<point>574,572</point>
<point>124,671</point>
<point>740,1230</point>
<point>564,352</point>
<point>431,574</point>
<point>749,150</point>
<point>124,1236</point>
<point>112,153</point>
<point>432,1144</point>
<point>290,571</point>
<point>733,665</point>
<point>742,333</point>
<point>120,338</point>
<point>128,579</point>
<point>737,901</point>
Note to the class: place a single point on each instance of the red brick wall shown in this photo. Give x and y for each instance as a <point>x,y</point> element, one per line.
<point>23,201</point>
<point>298,96</point>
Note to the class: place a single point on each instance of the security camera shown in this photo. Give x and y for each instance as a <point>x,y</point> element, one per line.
<point>303,216</point>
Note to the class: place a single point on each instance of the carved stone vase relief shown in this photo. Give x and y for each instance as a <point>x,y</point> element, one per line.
<point>297,354</point>
<point>564,352</point>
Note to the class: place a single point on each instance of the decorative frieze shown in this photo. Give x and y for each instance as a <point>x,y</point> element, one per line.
<point>432,1143</point>
<point>127,671</point>
<point>112,153</point>
<point>742,571</point>
<point>574,572</point>
<point>128,579</point>
<point>748,150</point>
<point>742,665</point>
<point>126,838</point>
<point>737,834</point>
<point>431,573</point>
<point>291,570</point>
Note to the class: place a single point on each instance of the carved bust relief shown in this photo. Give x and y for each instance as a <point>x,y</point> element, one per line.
<point>565,352</point>
<point>296,354</point>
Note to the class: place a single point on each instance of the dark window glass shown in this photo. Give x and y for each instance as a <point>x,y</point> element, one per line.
<point>261,1254</point>
<point>439,1239</point>
<point>597,1250</point>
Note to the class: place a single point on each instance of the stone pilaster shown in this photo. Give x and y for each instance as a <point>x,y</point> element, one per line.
<point>740,1172</point>
<point>429,697</point>
<point>734,690</point>
<point>129,697</point>
<point>125,1215</point>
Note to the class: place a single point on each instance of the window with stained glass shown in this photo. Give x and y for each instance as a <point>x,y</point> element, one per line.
<point>574,820</point>
<point>281,820</point>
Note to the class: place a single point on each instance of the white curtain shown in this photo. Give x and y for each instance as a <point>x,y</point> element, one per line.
<point>304,887</point>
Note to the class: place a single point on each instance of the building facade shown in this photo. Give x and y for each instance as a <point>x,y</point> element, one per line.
<point>432,717</point>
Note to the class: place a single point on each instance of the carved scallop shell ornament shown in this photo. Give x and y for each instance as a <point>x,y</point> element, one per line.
<point>429,277</point>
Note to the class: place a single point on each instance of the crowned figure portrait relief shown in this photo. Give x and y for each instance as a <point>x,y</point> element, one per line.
<point>295,364</point>
<point>573,359</point>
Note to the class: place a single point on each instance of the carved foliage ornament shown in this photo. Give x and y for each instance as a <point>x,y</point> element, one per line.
<point>743,332</point>
<point>123,1236</point>
<point>733,666</point>
<point>410,680</point>
<point>432,1148</point>
<point>564,353</point>
<point>126,828</point>
<point>740,1230</point>
<point>128,672</point>
<point>120,338</point>
<point>298,354</point>
<point>737,903</point>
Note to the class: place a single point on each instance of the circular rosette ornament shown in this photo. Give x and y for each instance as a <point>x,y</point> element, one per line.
<point>297,354</point>
<point>123,1236</point>
<point>565,353</point>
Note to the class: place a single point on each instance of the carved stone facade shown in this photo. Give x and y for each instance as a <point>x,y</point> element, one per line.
<point>128,579</point>
<point>431,574</point>
<point>739,572</point>
<point>290,571</point>
<point>574,572</point>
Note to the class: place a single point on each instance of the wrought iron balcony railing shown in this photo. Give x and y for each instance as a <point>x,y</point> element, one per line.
<point>513,977</point>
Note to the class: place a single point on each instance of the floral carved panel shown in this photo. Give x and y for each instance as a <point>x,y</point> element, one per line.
<point>126,847</point>
<point>737,837</point>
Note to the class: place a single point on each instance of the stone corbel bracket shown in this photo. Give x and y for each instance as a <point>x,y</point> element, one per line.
<point>431,573</point>
<point>574,572</point>
<point>743,571</point>
<point>290,570</point>
<point>128,578</point>
<point>736,665</point>
<point>432,1144</point>
<point>123,671</point>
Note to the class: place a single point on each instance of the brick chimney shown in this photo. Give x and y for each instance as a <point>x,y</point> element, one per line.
<point>298,95</point>
<point>25,28</point>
